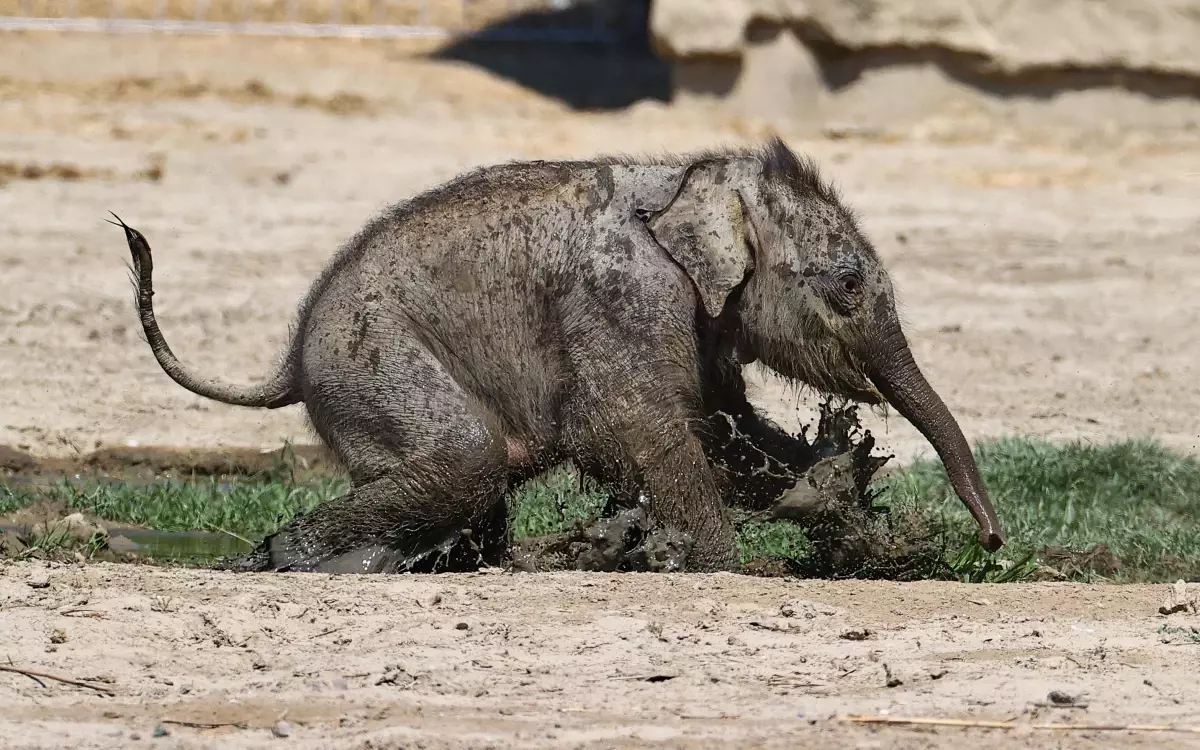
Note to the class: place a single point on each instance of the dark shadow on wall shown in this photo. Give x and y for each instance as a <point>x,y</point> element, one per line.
<point>607,62</point>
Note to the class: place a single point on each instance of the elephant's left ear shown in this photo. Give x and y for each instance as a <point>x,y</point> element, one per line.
<point>703,227</point>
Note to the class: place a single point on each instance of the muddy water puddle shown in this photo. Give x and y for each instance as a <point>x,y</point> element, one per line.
<point>197,547</point>
<point>49,516</point>
<point>182,546</point>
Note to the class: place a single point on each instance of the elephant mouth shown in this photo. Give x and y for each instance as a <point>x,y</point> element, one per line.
<point>865,395</point>
<point>847,383</point>
<point>857,387</point>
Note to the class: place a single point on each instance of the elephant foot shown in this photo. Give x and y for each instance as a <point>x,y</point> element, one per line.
<point>454,551</point>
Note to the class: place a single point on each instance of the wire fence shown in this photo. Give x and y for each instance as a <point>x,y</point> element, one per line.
<point>567,21</point>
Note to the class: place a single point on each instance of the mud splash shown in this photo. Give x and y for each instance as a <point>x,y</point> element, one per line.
<point>829,494</point>
<point>822,484</point>
<point>628,542</point>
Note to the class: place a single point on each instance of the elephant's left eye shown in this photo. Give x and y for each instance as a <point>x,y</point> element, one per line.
<point>849,282</point>
<point>844,288</point>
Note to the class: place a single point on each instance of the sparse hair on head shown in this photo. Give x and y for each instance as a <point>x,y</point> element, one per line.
<point>779,163</point>
<point>798,172</point>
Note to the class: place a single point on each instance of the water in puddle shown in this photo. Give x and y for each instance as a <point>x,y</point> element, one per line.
<point>183,546</point>
<point>196,547</point>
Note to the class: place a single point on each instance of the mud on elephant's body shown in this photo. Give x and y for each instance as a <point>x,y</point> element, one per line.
<point>597,311</point>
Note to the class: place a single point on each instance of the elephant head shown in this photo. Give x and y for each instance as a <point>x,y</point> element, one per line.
<point>772,250</point>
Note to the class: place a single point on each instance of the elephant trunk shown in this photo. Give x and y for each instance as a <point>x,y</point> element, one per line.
<point>894,372</point>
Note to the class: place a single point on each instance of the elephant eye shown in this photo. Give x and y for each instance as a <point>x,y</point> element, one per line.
<point>843,291</point>
<point>849,283</point>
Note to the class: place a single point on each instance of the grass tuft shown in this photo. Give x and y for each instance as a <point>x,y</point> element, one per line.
<point>552,503</point>
<point>779,540</point>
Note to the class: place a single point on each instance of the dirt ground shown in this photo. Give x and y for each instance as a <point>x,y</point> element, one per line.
<point>1051,286</point>
<point>1051,282</point>
<point>577,660</point>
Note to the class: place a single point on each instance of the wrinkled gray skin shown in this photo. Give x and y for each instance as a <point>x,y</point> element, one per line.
<point>594,311</point>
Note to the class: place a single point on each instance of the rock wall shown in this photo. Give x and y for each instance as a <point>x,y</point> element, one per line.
<point>869,63</point>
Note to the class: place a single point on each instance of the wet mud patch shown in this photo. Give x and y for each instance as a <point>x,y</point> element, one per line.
<point>805,507</point>
<point>155,89</point>
<point>11,171</point>
<point>816,491</point>
<point>628,541</point>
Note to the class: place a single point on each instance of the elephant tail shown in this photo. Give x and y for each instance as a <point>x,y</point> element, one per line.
<point>275,391</point>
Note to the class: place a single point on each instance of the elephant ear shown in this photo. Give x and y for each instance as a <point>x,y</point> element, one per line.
<point>703,228</point>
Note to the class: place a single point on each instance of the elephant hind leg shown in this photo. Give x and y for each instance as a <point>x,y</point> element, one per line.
<point>425,461</point>
<point>396,523</point>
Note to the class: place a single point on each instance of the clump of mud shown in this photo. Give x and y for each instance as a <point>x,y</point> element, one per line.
<point>627,541</point>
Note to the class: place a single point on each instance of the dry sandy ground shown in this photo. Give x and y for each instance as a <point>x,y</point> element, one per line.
<point>578,660</point>
<point>1051,282</point>
<point>1051,287</point>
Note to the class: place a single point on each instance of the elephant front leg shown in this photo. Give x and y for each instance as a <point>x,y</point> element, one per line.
<point>684,494</point>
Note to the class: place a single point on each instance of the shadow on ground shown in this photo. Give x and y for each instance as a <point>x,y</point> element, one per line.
<point>590,55</point>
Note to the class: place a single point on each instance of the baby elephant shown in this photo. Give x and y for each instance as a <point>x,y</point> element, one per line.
<point>599,312</point>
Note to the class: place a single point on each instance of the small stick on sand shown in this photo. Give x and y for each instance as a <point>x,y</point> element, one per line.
<point>204,724</point>
<point>331,631</point>
<point>33,674</point>
<point>79,612</point>
<point>1013,725</point>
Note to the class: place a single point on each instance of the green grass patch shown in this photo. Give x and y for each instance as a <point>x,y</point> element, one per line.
<point>552,504</point>
<point>781,540</point>
<point>247,507</point>
<point>1123,511</point>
